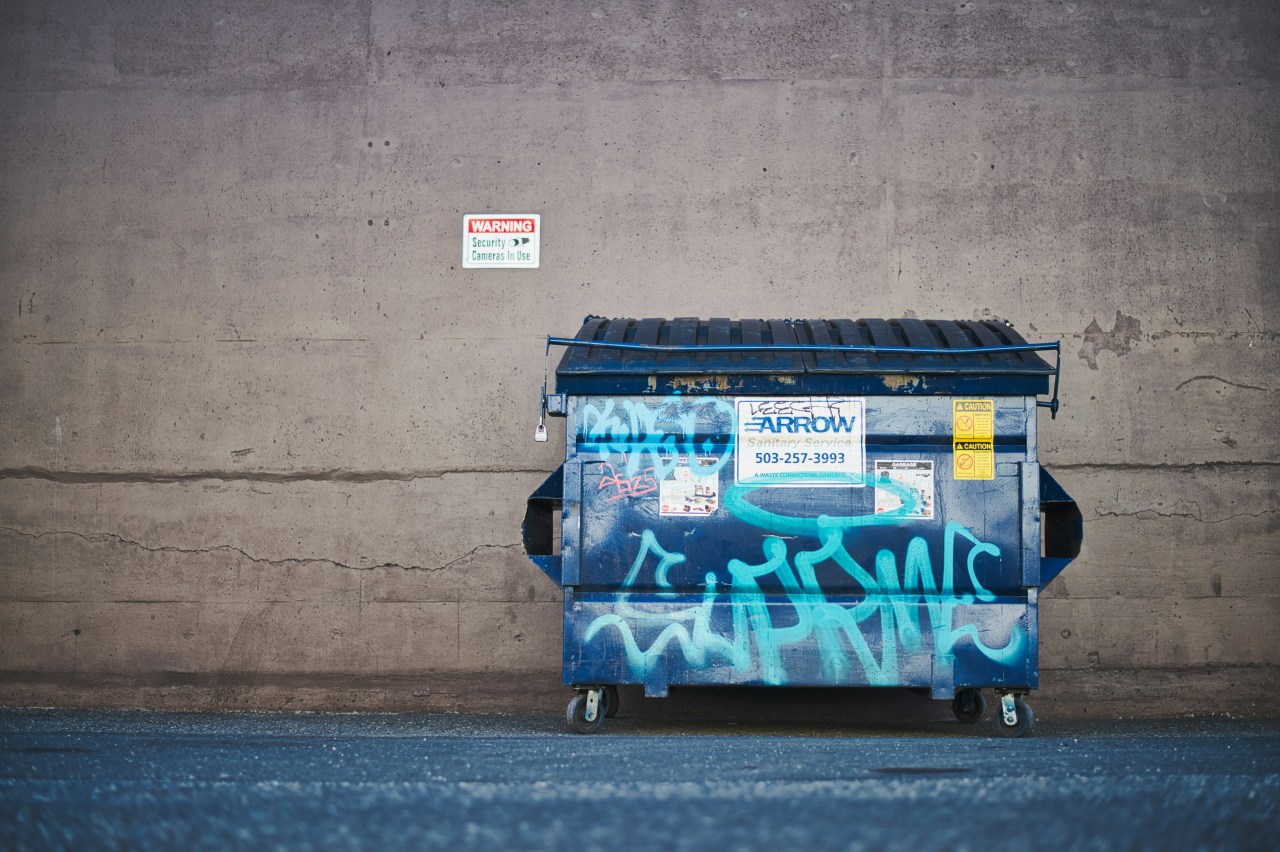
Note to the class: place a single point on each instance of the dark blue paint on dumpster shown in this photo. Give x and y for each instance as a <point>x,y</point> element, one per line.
<point>802,503</point>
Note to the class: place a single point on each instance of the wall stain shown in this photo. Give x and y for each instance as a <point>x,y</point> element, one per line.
<point>1124,333</point>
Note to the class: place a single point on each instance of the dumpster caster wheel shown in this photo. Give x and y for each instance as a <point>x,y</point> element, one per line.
<point>611,702</point>
<point>1013,717</point>
<point>585,715</point>
<point>969,705</point>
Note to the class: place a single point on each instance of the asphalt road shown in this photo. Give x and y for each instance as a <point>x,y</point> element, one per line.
<point>138,780</point>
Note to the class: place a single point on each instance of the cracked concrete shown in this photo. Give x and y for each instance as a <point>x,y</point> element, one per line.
<point>1156,513</point>
<point>481,548</point>
<point>1241,385</point>
<point>83,477</point>
<point>111,537</point>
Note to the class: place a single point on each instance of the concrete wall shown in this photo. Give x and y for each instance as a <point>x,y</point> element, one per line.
<point>264,443</point>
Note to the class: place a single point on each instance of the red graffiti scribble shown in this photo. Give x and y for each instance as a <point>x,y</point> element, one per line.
<point>628,486</point>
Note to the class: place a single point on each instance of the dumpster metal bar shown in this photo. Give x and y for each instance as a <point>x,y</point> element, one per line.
<point>538,529</point>
<point>804,347</point>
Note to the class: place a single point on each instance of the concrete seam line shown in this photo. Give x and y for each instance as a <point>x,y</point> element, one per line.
<point>98,538</point>
<point>91,477</point>
<point>1150,514</point>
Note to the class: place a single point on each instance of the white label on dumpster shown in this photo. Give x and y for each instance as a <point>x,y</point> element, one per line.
<point>690,490</point>
<point>904,489</point>
<point>501,241</point>
<point>801,442</point>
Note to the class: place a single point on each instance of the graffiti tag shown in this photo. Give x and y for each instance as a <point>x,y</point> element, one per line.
<point>627,486</point>
<point>904,607</point>
<point>638,436</point>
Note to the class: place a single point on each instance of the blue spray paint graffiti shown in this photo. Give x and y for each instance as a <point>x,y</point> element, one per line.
<point>839,631</point>
<point>637,436</point>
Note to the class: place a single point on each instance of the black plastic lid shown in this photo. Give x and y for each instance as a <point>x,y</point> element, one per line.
<point>885,364</point>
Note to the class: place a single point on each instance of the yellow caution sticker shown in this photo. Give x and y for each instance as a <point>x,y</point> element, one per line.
<point>973,438</point>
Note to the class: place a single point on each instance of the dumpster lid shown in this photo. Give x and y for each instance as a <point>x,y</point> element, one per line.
<point>790,356</point>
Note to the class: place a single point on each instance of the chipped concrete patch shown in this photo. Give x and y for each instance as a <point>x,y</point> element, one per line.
<point>1124,333</point>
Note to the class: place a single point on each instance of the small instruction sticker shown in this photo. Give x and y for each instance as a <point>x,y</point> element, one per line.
<point>690,491</point>
<point>973,438</point>
<point>904,489</point>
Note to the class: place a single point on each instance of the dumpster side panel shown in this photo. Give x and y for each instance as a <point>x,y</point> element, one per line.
<point>738,638</point>
<point>685,575</point>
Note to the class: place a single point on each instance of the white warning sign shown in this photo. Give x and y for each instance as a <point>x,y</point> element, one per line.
<point>501,241</point>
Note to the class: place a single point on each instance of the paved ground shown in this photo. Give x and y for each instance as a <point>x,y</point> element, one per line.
<point>83,780</point>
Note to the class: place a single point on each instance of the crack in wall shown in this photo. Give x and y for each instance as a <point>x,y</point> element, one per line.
<point>477,549</point>
<point>450,601</point>
<point>100,538</point>
<point>1223,668</point>
<point>1054,466</point>
<point>1220,379</point>
<point>1148,514</point>
<point>91,477</point>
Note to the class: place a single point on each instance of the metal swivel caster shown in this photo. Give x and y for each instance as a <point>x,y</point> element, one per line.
<point>1013,716</point>
<point>587,710</point>
<point>969,705</point>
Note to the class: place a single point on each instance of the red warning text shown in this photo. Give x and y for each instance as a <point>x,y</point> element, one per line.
<point>501,226</point>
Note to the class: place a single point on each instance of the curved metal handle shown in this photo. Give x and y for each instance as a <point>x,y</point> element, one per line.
<point>538,529</point>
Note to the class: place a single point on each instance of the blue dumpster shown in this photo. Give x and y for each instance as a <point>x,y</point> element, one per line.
<point>829,503</point>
